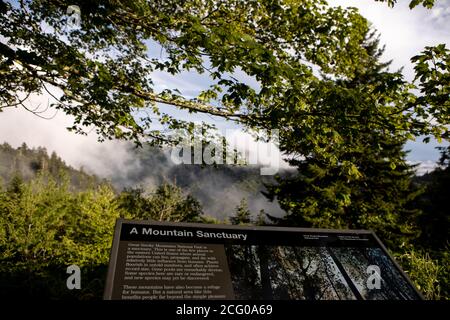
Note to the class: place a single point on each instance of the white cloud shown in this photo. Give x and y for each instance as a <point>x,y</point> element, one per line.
<point>18,125</point>
<point>405,32</point>
<point>424,167</point>
<point>106,159</point>
<point>262,153</point>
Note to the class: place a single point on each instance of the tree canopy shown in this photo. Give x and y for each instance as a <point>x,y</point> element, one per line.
<point>362,181</point>
<point>101,72</point>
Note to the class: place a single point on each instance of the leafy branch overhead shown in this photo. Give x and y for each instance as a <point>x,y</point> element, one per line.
<point>102,73</point>
<point>414,3</point>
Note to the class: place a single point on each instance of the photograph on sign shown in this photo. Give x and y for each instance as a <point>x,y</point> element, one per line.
<point>167,261</point>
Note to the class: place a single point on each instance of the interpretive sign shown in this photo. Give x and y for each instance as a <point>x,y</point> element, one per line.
<point>160,261</point>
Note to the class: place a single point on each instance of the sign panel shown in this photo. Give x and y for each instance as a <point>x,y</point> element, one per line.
<point>161,261</point>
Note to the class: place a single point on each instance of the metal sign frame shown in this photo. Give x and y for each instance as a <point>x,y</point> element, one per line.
<point>120,222</point>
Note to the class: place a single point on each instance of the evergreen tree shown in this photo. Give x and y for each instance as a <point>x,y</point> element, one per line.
<point>134,203</point>
<point>242,215</point>
<point>366,182</point>
<point>166,203</point>
<point>29,163</point>
<point>16,185</point>
<point>435,220</point>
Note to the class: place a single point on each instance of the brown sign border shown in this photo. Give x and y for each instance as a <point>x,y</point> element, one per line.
<point>118,227</point>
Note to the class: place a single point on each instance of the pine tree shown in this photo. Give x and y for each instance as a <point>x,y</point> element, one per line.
<point>435,220</point>
<point>242,215</point>
<point>166,203</point>
<point>366,183</point>
<point>16,185</point>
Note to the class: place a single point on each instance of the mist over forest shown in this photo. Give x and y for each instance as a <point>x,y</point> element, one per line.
<point>219,189</point>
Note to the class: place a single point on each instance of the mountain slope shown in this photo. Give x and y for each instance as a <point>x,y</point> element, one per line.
<point>27,162</point>
<point>219,189</point>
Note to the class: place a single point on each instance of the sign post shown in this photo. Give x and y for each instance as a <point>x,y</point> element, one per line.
<point>179,261</point>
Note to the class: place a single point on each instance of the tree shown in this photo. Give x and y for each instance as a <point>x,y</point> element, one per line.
<point>16,185</point>
<point>101,72</point>
<point>362,180</point>
<point>427,263</point>
<point>242,215</point>
<point>30,163</point>
<point>166,203</point>
<point>134,203</point>
<point>432,68</point>
<point>435,220</point>
<point>45,227</point>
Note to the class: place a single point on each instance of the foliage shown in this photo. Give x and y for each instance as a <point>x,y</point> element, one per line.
<point>103,71</point>
<point>362,181</point>
<point>433,72</point>
<point>28,162</point>
<point>433,244</point>
<point>102,89</point>
<point>242,215</point>
<point>427,274</point>
<point>414,3</point>
<point>343,118</point>
<point>45,227</point>
<point>166,203</point>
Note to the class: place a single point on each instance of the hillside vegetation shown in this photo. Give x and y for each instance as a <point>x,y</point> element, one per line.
<point>49,220</point>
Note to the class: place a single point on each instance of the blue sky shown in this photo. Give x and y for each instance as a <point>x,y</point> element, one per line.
<point>405,33</point>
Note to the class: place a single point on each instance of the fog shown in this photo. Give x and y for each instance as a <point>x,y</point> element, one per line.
<point>126,166</point>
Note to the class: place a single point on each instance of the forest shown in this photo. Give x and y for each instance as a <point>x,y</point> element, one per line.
<point>53,215</point>
<point>313,72</point>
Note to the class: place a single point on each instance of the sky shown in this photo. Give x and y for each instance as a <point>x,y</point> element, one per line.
<point>405,33</point>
